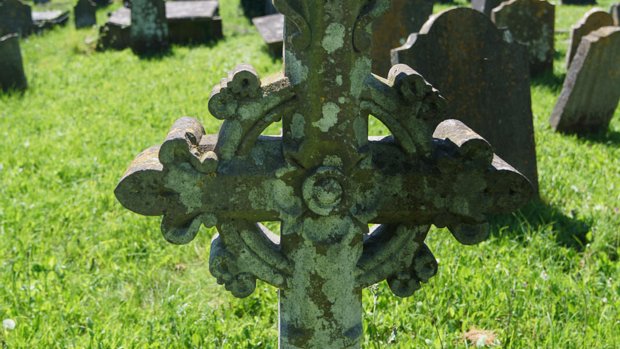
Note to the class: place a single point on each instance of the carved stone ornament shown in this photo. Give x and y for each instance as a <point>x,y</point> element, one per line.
<point>323,179</point>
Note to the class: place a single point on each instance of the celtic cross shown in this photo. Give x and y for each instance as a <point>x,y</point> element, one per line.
<point>324,180</point>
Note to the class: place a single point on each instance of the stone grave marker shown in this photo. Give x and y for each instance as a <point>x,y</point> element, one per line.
<point>484,79</point>
<point>188,22</point>
<point>149,29</point>
<point>531,23</point>
<point>591,21</point>
<point>323,179</point>
<point>591,89</point>
<point>485,6</point>
<point>12,76</point>
<point>271,29</point>
<point>15,17</point>
<point>85,14</point>
<point>615,13</point>
<point>44,20</point>
<point>392,29</point>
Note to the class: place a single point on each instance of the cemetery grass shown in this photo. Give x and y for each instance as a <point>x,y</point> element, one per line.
<point>78,270</point>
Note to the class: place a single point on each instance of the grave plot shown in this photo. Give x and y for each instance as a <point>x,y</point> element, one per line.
<point>484,78</point>
<point>84,14</point>
<point>531,23</point>
<point>323,179</point>
<point>591,21</point>
<point>189,22</point>
<point>271,29</point>
<point>591,89</point>
<point>12,76</point>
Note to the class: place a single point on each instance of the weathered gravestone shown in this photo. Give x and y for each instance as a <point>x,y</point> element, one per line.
<point>615,13</point>
<point>149,29</point>
<point>323,179</point>
<point>532,23</point>
<point>392,29</point>
<point>271,29</point>
<point>15,17</point>
<point>43,20</point>
<point>188,22</point>
<point>591,21</point>
<point>257,8</point>
<point>591,89</point>
<point>12,76</point>
<point>85,14</point>
<point>484,79</point>
<point>485,6</point>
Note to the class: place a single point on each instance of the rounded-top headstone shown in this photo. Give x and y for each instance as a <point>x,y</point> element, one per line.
<point>591,21</point>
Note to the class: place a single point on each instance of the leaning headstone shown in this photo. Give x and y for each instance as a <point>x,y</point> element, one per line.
<point>115,33</point>
<point>484,79</point>
<point>615,13</point>
<point>85,14</point>
<point>149,29</point>
<point>591,21</point>
<point>15,17</point>
<point>392,29</point>
<point>591,89</point>
<point>485,6</point>
<point>12,76</point>
<point>271,29</point>
<point>531,23</point>
<point>323,179</point>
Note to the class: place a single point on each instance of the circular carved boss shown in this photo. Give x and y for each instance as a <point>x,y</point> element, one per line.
<point>323,191</point>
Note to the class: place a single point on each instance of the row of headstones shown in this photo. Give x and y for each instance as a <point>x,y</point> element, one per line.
<point>150,26</point>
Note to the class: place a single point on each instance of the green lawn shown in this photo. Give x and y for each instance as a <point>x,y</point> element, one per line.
<point>78,270</point>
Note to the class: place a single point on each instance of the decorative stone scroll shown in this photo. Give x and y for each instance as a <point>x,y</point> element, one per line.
<point>531,23</point>
<point>12,76</point>
<point>591,89</point>
<point>591,21</point>
<point>323,179</point>
<point>484,78</point>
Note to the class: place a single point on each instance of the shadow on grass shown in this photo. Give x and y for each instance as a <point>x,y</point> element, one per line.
<point>549,79</point>
<point>607,137</point>
<point>538,215</point>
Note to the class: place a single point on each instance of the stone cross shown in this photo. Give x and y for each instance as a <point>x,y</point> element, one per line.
<point>323,179</point>
<point>149,29</point>
<point>12,76</point>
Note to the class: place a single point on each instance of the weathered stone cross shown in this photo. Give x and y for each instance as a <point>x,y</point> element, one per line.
<point>323,179</point>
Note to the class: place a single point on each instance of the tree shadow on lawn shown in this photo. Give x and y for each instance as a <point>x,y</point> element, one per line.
<point>550,80</point>
<point>537,215</point>
<point>606,137</point>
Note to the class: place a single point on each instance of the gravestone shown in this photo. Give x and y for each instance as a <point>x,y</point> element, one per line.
<point>323,179</point>
<point>392,29</point>
<point>257,8</point>
<point>44,20</point>
<point>85,14</point>
<point>484,79</point>
<point>149,29</point>
<point>188,22</point>
<point>531,23</point>
<point>591,21</point>
<point>271,29</point>
<point>485,6</point>
<point>12,76</point>
<point>615,13</point>
<point>591,89</point>
<point>15,17</point>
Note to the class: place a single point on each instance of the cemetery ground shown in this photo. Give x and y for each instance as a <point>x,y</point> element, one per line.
<point>79,270</point>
